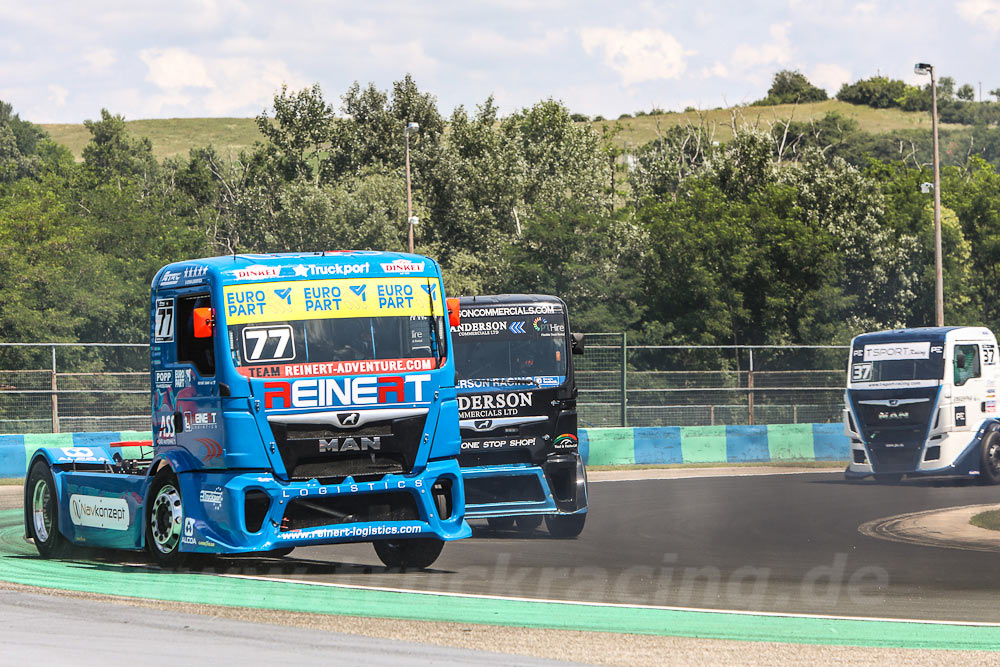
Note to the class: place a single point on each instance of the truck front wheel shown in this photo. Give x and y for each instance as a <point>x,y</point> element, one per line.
<point>989,462</point>
<point>165,519</point>
<point>415,554</point>
<point>43,512</point>
<point>565,526</point>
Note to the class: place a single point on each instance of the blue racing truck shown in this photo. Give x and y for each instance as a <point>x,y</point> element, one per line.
<point>517,404</point>
<point>297,399</point>
<point>923,402</point>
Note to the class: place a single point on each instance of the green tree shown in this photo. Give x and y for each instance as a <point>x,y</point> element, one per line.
<point>592,261</point>
<point>878,91</point>
<point>792,87</point>
<point>966,93</point>
<point>298,132</point>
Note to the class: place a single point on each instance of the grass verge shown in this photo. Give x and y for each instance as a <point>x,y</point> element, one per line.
<point>755,464</point>
<point>15,481</point>
<point>989,520</point>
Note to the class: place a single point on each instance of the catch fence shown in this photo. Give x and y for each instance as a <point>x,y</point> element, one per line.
<point>77,387</point>
<point>705,385</point>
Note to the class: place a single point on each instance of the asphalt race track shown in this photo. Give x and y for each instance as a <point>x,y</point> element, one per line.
<point>776,543</point>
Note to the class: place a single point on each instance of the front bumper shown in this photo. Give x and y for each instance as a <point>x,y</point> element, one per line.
<point>253,511</point>
<point>559,486</point>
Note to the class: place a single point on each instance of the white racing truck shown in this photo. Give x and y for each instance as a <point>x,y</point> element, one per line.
<point>923,402</point>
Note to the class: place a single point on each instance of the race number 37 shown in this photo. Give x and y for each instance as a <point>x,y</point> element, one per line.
<point>163,323</point>
<point>861,372</point>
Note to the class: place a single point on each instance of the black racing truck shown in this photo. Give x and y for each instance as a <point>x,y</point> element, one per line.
<point>520,457</point>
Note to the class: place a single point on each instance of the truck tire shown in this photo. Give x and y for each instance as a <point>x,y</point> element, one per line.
<point>42,512</point>
<point>165,520</point>
<point>989,459</point>
<point>500,522</point>
<point>527,523</point>
<point>415,554</point>
<point>565,526</point>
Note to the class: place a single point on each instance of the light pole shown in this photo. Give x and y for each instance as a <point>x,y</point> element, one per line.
<point>410,127</point>
<point>926,68</point>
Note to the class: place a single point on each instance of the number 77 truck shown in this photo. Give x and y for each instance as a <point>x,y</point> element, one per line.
<point>296,400</point>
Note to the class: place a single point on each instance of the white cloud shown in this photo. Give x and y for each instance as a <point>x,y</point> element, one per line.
<point>829,76</point>
<point>637,55</point>
<point>492,43</point>
<point>100,59</point>
<point>231,85</point>
<point>173,69</point>
<point>402,57</point>
<point>249,83</point>
<point>985,13</point>
<point>57,94</point>
<point>776,52</point>
<point>718,69</point>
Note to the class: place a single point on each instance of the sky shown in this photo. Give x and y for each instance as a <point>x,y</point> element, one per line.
<point>63,61</point>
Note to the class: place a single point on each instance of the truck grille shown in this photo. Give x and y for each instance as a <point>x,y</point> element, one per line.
<point>329,454</point>
<point>303,513</point>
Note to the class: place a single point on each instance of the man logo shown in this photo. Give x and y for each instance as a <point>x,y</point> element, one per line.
<point>483,424</point>
<point>349,418</point>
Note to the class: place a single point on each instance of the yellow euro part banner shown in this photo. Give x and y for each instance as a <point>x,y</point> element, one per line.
<point>324,299</point>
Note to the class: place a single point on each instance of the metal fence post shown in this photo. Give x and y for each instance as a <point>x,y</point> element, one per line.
<point>750,387</point>
<point>55,396</point>
<point>624,379</point>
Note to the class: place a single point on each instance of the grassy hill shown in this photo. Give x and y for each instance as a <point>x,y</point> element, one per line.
<point>175,136</point>
<point>640,130</point>
<point>172,136</point>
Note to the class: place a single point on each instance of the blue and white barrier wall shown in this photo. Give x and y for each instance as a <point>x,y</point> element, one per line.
<point>714,444</point>
<point>600,446</point>
<point>16,450</point>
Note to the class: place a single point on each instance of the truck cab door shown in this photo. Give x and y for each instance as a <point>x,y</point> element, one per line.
<point>188,411</point>
<point>970,384</point>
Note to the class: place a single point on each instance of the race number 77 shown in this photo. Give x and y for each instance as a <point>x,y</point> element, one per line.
<point>163,323</point>
<point>268,343</point>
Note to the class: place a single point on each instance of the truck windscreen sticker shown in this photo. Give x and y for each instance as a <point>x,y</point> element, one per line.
<point>897,351</point>
<point>163,322</point>
<point>335,298</point>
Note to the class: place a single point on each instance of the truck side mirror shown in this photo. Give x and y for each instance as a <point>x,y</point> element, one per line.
<point>454,316</point>
<point>577,343</point>
<point>204,322</point>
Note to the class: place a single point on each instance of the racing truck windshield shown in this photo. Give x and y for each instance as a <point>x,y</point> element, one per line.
<point>334,327</point>
<point>501,344</point>
<point>891,362</point>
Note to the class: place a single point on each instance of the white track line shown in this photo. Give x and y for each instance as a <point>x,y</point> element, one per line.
<point>583,603</point>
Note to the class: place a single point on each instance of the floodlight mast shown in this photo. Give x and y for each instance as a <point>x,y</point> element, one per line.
<point>410,127</point>
<point>928,69</point>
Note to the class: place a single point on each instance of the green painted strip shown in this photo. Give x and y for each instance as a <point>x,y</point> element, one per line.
<point>32,441</point>
<point>790,442</point>
<point>703,444</point>
<point>285,596</point>
<point>135,452</point>
<point>611,446</point>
